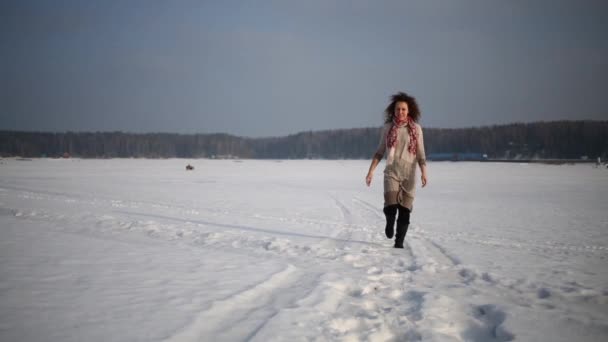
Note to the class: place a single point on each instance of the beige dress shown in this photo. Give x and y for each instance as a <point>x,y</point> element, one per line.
<point>400,170</point>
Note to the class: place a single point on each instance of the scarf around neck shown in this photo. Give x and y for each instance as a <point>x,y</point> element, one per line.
<point>391,137</point>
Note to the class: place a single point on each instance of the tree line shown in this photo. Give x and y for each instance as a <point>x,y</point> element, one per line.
<point>544,140</point>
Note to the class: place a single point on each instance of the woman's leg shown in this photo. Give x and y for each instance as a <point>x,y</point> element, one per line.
<point>390,211</point>
<point>391,188</point>
<point>403,223</point>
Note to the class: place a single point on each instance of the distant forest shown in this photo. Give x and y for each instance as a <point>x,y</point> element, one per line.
<point>540,140</point>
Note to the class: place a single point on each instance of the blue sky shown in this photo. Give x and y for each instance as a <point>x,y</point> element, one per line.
<point>269,68</point>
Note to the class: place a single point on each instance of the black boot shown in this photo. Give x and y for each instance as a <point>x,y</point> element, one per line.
<point>390,211</point>
<point>403,223</point>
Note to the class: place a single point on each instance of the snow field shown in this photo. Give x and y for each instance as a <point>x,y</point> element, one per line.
<point>127,250</point>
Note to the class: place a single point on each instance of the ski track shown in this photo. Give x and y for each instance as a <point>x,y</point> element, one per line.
<point>386,294</point>
<point>468,237</point>
<point>249,309</point>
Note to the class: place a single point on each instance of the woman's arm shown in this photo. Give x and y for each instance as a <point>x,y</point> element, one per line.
<point>377,156</point>
<point>421,156</point>
<point>370,174</point>
<point>423,176</point>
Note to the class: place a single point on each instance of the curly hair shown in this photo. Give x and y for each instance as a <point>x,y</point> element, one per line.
<point>412,105</point>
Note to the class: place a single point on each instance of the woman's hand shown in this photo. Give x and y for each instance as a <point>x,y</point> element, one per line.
<point>368,179</point>
<point>423,179</point>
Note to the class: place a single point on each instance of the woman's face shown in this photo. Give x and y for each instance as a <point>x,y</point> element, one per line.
<point>401,110</point>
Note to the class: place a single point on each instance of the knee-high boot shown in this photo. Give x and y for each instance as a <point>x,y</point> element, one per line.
<point>403,223</point>
<point>390,211</point>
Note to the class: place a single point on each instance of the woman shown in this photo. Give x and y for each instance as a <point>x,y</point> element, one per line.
<point>402,139</point>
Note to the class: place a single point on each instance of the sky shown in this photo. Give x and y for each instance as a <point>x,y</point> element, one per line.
<point>272,68</point>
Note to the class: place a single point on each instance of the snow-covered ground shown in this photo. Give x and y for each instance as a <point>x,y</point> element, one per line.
<point>142,250</point>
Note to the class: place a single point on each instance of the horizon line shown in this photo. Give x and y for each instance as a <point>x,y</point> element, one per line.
<point>300,132</point>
